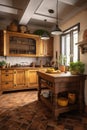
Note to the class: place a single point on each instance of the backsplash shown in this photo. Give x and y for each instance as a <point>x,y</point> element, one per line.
<point>23,60</point>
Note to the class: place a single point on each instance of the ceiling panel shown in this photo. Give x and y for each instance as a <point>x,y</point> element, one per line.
<point>33,12</point>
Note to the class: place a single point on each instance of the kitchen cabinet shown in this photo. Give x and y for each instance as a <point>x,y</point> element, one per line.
<point>22,44</point>
<point>7,80</point>
<point>33,78</point>
<point>45,47</point>
<point>18,44</point>
<point>20,79</point>
<point>61,85</point>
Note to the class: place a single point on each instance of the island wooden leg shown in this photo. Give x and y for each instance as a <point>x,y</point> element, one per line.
<point>81,97</point>
<point>55,111</point>
<point>39,87</point>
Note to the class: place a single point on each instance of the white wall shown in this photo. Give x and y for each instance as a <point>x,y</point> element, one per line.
<point>23,60</point>
<point>56,47</point>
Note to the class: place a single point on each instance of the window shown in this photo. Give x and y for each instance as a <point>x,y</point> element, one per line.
<point>68,46</point>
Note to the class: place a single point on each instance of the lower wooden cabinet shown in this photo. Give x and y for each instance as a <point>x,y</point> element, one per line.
<point>19,79</point>
<point>7,80</point>
<point>33,78</point>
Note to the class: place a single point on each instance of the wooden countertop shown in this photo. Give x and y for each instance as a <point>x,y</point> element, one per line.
<point>62,74</point>
<point>60,77</point>
<point>32,68</point>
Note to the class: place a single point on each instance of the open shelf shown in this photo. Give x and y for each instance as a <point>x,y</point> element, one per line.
<point>83,46</point>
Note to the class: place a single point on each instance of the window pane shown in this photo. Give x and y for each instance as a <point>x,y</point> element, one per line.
<point>68,48</point>
<point>63,45</point>
<point>75,47</point>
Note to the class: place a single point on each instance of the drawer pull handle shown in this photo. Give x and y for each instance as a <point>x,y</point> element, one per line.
<point>6,75</point>
<point>6,83</point>
<point>6,71</point>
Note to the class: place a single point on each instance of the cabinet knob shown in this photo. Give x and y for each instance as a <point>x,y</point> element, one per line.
<point>6,71</point>
<point>14,72</point>
<point>6,83</point>
<point>6,75</point>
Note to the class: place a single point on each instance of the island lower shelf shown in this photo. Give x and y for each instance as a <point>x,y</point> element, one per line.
<point>59,109</point>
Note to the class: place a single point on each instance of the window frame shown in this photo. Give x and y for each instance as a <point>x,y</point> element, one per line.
<point>65,32</point>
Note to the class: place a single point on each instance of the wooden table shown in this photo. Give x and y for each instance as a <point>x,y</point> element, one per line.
<point>59,84</point>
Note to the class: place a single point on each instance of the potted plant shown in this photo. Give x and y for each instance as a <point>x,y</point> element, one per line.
<point>40,32</point>
<point>2,64</point>
<point>77,67</point>
<point>62,62</point>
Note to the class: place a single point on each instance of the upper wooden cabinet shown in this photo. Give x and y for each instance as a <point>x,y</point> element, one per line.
<point>22,44</point>
<point>45,47</point>
<point>18,44</point>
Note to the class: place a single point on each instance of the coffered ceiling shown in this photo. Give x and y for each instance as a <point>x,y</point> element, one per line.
<point>34,12</point>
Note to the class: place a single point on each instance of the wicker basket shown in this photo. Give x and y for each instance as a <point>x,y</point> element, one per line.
<point>13,28</point>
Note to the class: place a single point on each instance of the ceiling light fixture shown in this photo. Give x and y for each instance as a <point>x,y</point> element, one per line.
<point>56,30</point>
<point>45,35</point>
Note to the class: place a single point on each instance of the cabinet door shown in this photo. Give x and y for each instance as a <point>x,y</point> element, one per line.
<point>19,79</point>
<point>4,43</point>
<point>46,47</point>
<point>50,47</point>
<point>33,79</point>
<point>18,44</point>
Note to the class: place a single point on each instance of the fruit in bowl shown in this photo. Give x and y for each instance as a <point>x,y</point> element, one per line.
<point>49,70</point>
<point>53,71</point>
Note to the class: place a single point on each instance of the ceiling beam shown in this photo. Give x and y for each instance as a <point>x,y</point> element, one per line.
<point>70,2</point>
<point>6,2</point>
<point>29,11</point>
<point>8,9</point>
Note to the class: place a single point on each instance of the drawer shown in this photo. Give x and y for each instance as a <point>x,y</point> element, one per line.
<point>6,77</point>
<point>7,86</point>
<point>6,71</point>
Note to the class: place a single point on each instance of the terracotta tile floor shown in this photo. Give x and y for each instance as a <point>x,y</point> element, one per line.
<point>16,99</point>
<point>22,111</point>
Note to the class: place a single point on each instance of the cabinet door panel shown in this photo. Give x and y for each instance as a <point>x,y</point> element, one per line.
<point>19,78</point>
<point>33,78</point>
<point>46,47</point>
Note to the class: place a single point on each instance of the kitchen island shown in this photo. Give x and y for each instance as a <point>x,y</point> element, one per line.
<point>61,84</point>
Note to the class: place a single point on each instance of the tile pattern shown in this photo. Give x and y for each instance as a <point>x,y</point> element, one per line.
<point>22,111</point>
